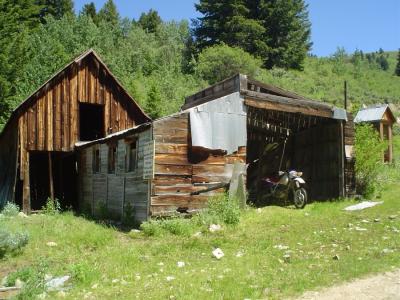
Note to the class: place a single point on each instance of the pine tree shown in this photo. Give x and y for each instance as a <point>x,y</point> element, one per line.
<point>278,31</point>
<point>109,13</point>
<point>89,9</point>
<point>150,21</point>
<point>228,22</point>
<point>397,70</point>
<point>56,8</point>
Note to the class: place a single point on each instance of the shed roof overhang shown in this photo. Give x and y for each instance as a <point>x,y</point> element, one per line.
<point>291,105</point>
<point>115,136</point>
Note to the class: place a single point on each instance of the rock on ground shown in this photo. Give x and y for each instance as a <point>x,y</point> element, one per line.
<point>384,286</point>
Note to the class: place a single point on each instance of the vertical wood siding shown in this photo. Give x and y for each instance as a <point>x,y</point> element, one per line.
<point>112,194</point>
<point>52,121</point>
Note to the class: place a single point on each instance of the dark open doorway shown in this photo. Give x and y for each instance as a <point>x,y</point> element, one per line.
<point>91,120</point>
<point>64,179</point>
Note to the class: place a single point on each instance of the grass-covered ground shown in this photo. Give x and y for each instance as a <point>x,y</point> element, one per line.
<point>323,245</point>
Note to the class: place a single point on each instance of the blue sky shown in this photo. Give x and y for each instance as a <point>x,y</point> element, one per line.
<point>363,24</point>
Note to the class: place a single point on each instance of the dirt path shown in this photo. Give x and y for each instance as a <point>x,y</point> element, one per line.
<point>383,286</point>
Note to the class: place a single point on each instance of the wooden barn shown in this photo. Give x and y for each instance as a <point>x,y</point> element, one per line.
<point>82,102</point>
<point>382,118</point>
<point>175,163</point>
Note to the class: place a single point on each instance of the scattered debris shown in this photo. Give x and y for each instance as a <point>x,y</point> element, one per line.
<point>362,205</point>
<point>286,258</point>
<point>170,278</point>
<point>392,217</point>
<point>387,251</point>
<point>57,283</point>
<point>197,234</point>
<point>215,227</point>
<point>181,264</point>
<point>348,247</point>
<point>364,221</point>
<point>19,283</point>
<point>281,247</point>
<point>218,254</point>
<point>360,229</point>
<point>377,220</point>
<point>115,281</point>
<point>239,254</point>
<point>51,244</point>
<point>22,215</point>
<point>336,257</point>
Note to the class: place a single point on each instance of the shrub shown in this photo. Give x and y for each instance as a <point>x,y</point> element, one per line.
<point>220,62</point>
<point>369,153</point>
<point>11,243</point>
<point>174,225</point>
<point>220,209</point>
<point>10,210</point>
<point>52,207</point>
<point>151,228</point>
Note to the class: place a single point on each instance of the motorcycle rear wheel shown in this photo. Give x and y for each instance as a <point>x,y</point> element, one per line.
<point>300,198</point>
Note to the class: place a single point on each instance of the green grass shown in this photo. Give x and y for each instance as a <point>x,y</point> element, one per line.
<point>129,266</point>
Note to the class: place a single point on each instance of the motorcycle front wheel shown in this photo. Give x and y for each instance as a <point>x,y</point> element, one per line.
<point>300,198</point>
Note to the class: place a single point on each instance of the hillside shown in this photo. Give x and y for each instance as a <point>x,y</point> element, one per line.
<point>323,79</point>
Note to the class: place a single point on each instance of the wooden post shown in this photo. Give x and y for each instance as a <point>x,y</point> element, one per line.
<point>390,143</point>
<point>51,182</point>
<point>26,192</point>
<point>381,136</point>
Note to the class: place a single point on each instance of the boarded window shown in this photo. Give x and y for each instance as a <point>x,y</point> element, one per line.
<point>131,155</point>
<point>112,158</point>
<point>96,160</point>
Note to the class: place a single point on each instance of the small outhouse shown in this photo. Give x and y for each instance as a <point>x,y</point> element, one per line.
<point>382,118</point>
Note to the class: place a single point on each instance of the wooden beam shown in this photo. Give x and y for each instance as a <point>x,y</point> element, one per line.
<point>51,181</point>
<point>270,105</point>
<point>26,192</point>
<point>390,142</point>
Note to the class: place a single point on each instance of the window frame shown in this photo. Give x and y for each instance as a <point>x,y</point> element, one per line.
<point>129,168</point>
<point>112,158</point>
<point>96,160</point>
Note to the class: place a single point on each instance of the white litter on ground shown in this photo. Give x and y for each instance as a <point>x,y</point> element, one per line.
<point>362,205</point>
<point>215,227</point>
<point>56,284</point>
<point>218,254</point>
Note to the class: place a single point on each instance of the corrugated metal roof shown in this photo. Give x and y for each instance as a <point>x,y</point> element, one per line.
<point>371,114</point>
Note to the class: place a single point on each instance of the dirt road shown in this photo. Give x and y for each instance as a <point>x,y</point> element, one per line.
<point>383,286</point>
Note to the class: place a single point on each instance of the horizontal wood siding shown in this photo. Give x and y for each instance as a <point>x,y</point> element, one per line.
<point>177,175</point>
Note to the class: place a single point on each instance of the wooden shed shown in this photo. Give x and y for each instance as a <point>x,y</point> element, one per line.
<point>382,118</point>
<point>183,159</point>
<point>81,102</point>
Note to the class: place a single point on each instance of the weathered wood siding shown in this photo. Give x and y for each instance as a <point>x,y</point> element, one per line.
<point>349,164</point>
<point>176,175</point>
<point>114,195</point>
<point>51,123</point>
<point>317,153</point>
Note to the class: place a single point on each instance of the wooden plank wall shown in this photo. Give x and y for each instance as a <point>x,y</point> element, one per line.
<point>50,119</point>
<point>109,195</point>
<point>176,175</point>
<point>349,164</point>
<point>316,154</point>
<point>52,122</point>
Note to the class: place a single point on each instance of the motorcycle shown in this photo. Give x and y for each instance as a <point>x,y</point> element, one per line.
<point>287,186</point>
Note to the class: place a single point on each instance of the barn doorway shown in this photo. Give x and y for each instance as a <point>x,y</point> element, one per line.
<point>91,122</point>
<point>64,179</point>
<point>310,144</point>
